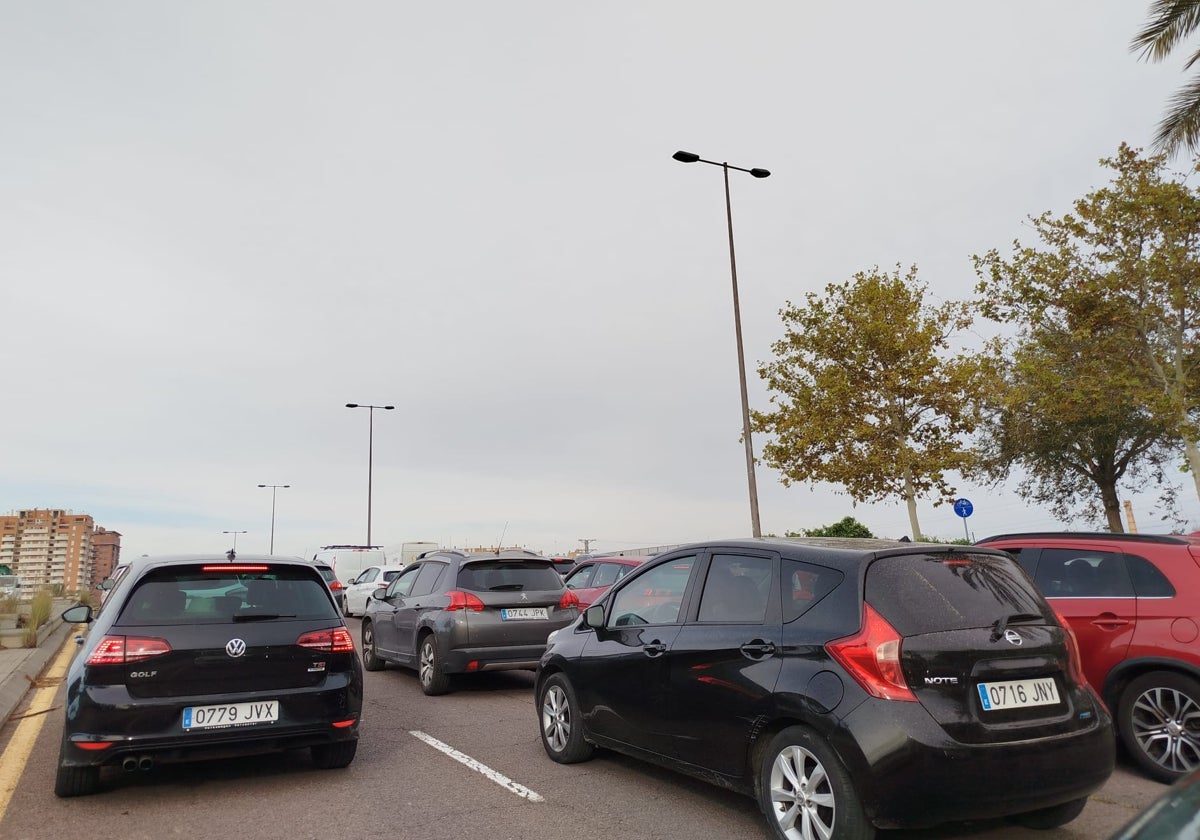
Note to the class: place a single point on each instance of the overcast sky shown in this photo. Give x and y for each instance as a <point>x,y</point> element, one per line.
<point>222,221</point>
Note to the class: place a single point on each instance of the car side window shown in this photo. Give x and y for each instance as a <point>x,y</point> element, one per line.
<point>1148,581</point>
<point>369,574</point>
<point>804,585</point>
<point>427,580</point>
<point>580,578</point>
<point>736,589</point>
<point>654,597</point>
<point>606,574</point>
<point>1083,573</point>
<point>403,583</point>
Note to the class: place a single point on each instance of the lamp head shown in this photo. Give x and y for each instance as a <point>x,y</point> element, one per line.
<point>760,173</point>
<point>351,405</point>
<point>686,157</point>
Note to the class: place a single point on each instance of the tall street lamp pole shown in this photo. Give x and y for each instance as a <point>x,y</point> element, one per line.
<point>235,533</point>
<point>689,157</point>
<point>370,452</point>
<point>273,487</point>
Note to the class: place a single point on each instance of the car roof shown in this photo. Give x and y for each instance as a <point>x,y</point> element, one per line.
<point>835,551</point>
<point>626,560</point>
<point>1105,536</point>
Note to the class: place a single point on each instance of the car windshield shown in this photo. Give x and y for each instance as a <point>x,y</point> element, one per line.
<point>507,576</point>
<point>195,594</point>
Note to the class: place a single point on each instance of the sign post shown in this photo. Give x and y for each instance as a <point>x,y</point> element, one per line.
<point>964,508</point>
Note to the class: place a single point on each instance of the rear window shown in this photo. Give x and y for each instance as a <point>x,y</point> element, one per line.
<point>925,593</point>
<point>507,576</point>
<point>211,594</point>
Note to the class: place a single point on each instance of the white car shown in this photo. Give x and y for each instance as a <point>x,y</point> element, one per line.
<point>368,580</point>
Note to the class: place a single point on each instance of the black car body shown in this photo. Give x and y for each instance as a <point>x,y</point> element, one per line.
<point>207,657</point>
<point>456,613</point>
<point>846,684</point>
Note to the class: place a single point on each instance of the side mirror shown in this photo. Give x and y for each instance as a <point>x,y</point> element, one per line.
<point>594,617</point>
<point>79,614</point>
<point>105,584</point>
<point>379,594</point>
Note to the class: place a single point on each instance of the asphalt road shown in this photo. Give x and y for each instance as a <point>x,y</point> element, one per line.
<point>407,781</point>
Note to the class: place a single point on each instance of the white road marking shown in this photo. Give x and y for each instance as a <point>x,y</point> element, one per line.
<point>463,758</point>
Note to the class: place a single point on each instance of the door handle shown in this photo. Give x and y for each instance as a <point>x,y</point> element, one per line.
<point>654,649</point>
<point>1110,623</point>
<point>757,649</point>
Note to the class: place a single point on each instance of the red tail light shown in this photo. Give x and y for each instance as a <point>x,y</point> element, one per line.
<point>464,601</point>
<point>336,640</point>
<point>569,599</point>
<point>872,657</point>
<point>122,650</point>
<point>336,585</point>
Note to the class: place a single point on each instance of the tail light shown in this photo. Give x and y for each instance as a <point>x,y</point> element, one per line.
<point>336,640</point>
<point>232,567</point>
<point>872,657</point>
<point>122,650</point>
<point>336,585</point>
<point>569,599</point>
<point>464,601</point>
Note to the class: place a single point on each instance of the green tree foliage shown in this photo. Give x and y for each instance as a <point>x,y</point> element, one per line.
<point>867,395</point>
<point>1120,275</point>
<point>847,527</point>
<point>1170,23</point>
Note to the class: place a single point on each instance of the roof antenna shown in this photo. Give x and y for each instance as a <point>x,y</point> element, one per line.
<point>500,545</point>
<point>231,554</point>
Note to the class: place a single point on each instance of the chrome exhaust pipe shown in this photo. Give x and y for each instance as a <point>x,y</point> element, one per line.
<point>145,763</point>
<point>129,764</point>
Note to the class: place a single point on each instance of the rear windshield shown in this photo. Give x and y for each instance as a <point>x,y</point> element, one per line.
<point>507,576</point>
<point>925,593</point>
<point>211,594</point>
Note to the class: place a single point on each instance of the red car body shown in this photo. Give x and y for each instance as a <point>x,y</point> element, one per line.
<point>592,578</point>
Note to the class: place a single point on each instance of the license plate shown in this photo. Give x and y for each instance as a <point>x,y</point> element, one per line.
<point>1016,694</point>
<point>524,613</point>
<point>230,714</point>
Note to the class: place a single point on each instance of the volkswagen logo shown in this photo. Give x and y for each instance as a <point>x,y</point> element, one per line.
<point>236,647</point>
<point>1013,637</point>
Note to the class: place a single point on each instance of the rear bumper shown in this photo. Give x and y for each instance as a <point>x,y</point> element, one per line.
<point>517,657</point>
<point>925,778</point>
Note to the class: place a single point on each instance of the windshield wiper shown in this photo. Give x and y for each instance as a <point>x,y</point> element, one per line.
<point>507,587</point>
<point>260,616</point>
<point>1001,624</point>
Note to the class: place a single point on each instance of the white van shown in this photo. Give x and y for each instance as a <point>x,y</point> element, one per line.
<point>348,560</point>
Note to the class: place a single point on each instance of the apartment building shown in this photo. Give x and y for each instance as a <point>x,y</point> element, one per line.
<point>106,547</point>
<point>48,548</point>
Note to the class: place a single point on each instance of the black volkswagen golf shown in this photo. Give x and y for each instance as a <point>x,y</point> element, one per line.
<point>845,684</point>
<point>208,657</point>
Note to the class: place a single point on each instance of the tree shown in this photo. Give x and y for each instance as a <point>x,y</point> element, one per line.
<point>863,398</point>
<point>1172,21</point>
<point>1121,274</point>
<point>847,527</point>
<point>1062,419</point>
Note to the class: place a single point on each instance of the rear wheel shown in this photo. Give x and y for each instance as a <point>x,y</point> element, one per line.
<point>371,660</point>
<point>1053,816</point>
<point>562,725</point>
<point>429,668</point>
<point>1159,721</point>
<point>805,791</point>
<point>75,781</point>
<point>335,755</point>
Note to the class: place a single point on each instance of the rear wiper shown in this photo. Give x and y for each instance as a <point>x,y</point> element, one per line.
<point>1001,624</point>
<point>260,616</point>
<point>507,587</point>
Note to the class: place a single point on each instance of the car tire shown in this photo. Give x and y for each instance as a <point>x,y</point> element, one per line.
<point>429,668</point>
<point>1157,719</point>
<point>334,756</point>
<point>1056,815</point>
<point>76,781</point>
<point>371,659</point>
<point>346,609</point>
<point>561,722</point>
<point>804,790</point>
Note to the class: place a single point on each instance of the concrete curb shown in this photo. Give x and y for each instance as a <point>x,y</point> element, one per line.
<point>19,680</point>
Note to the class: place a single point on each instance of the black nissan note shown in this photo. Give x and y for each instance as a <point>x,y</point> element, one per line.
<point>209,657</point>
<point>845,684</point>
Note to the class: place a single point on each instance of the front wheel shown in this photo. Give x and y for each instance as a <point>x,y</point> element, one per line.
<point>1051,817</point>
<point>371,659</point>
<point>562,725</point>
<point>805,791</point>
<point>1159,721</point>
<point>429,668</point>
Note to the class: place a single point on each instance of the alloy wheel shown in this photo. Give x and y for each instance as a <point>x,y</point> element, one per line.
<point>1166,725</point>
<point>802,797</point>
<point>556,718</point>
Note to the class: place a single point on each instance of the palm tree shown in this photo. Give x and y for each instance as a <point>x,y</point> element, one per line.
<point>1171,21</point>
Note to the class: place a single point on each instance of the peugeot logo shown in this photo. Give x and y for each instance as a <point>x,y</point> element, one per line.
<point>1013,637</point>
<point>236,647</point>
<point>524,597</point>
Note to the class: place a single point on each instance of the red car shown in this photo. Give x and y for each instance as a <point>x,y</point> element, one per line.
<point>591,578</point>
<point>1133,602</point>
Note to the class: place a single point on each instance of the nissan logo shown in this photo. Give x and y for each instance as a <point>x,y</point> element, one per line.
<point>1013,637</point>
<point>236,647</point>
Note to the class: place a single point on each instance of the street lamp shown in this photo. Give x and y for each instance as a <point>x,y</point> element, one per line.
<point>689,157</point>
<point>273,487</point>
<point>235,533</point>
<point>370,452</point>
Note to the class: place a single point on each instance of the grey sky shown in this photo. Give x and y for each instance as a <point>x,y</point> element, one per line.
<point>222,221</point>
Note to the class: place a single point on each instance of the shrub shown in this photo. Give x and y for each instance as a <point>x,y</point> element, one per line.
<point>10,604</point>
<point>39,614</point>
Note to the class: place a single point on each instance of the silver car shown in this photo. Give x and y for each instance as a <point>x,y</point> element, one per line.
<point>455,613</point>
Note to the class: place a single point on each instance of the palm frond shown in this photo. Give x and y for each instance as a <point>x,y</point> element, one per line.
<point>1170,22</point>
<point>1180,128</point>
